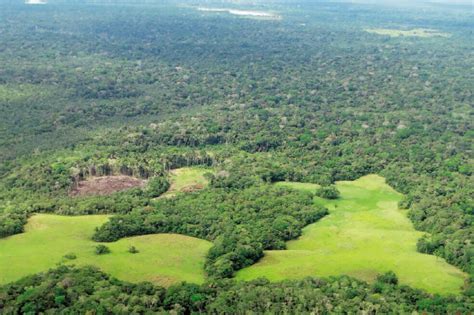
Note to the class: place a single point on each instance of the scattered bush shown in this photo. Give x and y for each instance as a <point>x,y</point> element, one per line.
<point>70,256</point>
<point>328,192</point>
<point>133,250</point>
<point>101,249</point>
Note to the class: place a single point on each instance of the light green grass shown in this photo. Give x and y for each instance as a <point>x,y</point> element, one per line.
<point>186,178</point>
<point>163,258</point>
<point>301,186</point>
<point>365,234</point>
<point>21,92</point>
<point>416,32</point>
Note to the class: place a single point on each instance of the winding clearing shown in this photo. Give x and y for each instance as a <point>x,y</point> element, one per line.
<point>163,258</point>
<point>365,234</point>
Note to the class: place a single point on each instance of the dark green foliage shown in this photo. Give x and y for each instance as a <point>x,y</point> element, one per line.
<point>70,256</point>
<point>384,282</point>
<point>157,186</point>
<point>241,223</point>
<point>133,250</point>
<point>186,297</point>
<point>429,245</point>
<point>12,223</point>
<point>389,278</point>
<point>312,97</point>
<point>328,192</point>
<point>70,290</point>
<point>101,250</point>
<point>323,121</point>
<point>76,291</point>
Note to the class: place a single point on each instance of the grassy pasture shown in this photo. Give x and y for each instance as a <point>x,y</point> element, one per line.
<point>416,32</point>
<point>186,179</point>
<point>163,258</point>
<point>365,234</point>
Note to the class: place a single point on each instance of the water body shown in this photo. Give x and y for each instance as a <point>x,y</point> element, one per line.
<point>35,2</point>
<point>249,13</point>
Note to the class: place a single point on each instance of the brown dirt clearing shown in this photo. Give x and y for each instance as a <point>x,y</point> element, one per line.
<point>106,185</point>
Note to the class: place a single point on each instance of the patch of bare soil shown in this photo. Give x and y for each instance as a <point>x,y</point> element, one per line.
<point>192,188</point>
<point>105,185</point>
<point>164,281</point>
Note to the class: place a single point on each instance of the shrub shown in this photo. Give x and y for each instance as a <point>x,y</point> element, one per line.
<point>133,250</point>
<point>388,278</point>
<point>70,256</point>
<point>328,192</point>
<point>101,250</point>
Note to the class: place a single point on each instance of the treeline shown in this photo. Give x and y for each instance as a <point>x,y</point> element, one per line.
<point>15,215</point>
<point>311,98</point>
<point>56,174</point>
<point>422,157</point>
<point>87,290</point>
<point>12,222</point>
<point>42,185</point>
<point>240,223</point>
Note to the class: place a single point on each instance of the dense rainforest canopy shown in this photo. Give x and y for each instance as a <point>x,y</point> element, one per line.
<point>307,94</point>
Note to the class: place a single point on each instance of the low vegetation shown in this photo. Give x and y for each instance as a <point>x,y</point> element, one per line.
<point>240,223</point>
<point>364,235</point>
<point>186,179</point>
<point>311,100</point>
<point>101,250</point>
<point>328,192</point>
<point>162,259</point>
<point>87,290</point>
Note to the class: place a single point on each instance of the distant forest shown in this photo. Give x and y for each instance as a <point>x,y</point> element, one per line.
<point>310,96</point>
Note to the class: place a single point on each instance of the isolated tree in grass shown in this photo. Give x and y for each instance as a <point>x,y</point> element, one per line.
<point>328,192</point>
<point>70,256</point>
<point>132,250</point>
<point>101,249</point>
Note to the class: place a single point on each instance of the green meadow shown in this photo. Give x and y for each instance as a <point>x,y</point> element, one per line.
<point>365,234</point>
<point>186,179</point>
<point>162,258</point>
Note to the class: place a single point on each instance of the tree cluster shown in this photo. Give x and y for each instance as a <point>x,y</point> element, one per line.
<point>87,290</point>
<point>240,223</point>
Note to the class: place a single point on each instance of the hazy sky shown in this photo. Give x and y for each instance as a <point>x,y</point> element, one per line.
<point>467,2</point>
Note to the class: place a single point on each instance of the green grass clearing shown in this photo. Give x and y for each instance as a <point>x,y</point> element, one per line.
<point>186,179</point>
<point>163,258</point>
<point>301,186</point>
<point>365,234</point>
<point>416,32</point>
<point>22,92</point>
